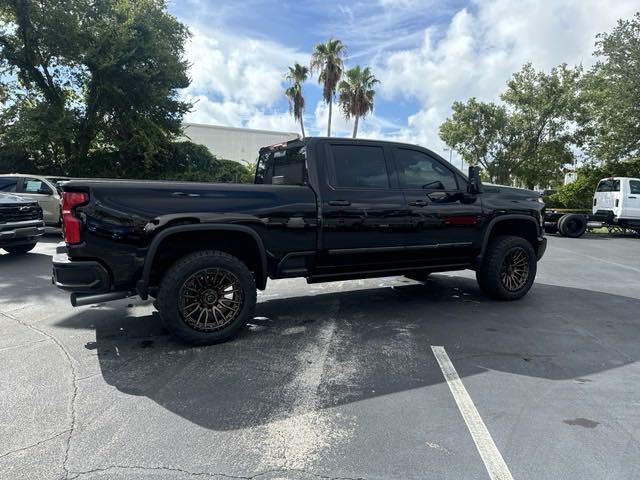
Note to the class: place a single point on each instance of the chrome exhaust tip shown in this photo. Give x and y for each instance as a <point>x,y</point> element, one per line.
<point>79,300</point>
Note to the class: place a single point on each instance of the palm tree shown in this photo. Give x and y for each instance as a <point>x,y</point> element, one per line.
<point>356,94</point>
<point>327,59</point>
<point>297,75</point>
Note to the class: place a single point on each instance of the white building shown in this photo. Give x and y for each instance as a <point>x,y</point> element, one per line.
<point>230,143</point>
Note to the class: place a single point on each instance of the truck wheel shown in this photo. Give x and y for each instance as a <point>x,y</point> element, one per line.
<point>20,249</point>
<point>508,268</point>
<point>206,297</point>
<point>572,225</point>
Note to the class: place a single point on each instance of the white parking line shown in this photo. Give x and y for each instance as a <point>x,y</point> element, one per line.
<point>490,454</point>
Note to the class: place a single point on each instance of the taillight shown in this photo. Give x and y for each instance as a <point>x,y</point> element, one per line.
<point>71,225</point>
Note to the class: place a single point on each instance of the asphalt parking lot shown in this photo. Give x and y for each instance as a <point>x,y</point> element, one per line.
<point>331,381</point>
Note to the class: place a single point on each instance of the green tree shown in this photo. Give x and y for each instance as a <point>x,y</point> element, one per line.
<point>356,94</point>
<point>327,60</point>
<point>543,108</point>
<point>187,161</point>
<point>96,81</point>
<point>479,132</point>
<point>610,93</point>
<point>297,75</point>
<point>528,139</point>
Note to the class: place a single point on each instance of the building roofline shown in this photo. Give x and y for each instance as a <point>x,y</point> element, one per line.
<point>238,129</point>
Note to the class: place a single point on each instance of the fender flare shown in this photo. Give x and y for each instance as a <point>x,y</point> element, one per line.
<point>502,218</point>
<point>143,284</point>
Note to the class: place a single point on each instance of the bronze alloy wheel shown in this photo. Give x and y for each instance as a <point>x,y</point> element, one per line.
<point>515,269</point>
<point>210,299</point>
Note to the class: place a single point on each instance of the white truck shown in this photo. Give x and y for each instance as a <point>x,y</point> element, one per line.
<point>616,204</point>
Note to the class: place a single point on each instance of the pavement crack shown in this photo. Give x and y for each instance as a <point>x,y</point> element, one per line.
<point>33,445</point>
<point>74,386</point>
<point>257,476</point>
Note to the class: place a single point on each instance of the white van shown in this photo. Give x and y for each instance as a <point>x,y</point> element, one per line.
<point>620,196</point>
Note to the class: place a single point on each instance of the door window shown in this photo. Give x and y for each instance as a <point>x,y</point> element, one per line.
<point>8,184</point>
<point>635,186</point>
<point>33,185</point>
<point>418,170</point>
<point>359,166</point>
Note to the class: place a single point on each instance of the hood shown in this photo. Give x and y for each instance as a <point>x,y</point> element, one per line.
<point>511,191</point>
<point>11,199</point>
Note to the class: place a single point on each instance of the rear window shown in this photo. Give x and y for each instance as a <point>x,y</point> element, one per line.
<point>608,185</point>
<point>282,167</point>
<point>359,166</point>
<point>8,184</point>
<point>635,186</point>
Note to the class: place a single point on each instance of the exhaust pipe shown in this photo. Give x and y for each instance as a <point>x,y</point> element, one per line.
<point>79,300</point>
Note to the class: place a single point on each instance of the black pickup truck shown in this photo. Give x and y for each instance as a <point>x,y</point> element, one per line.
<point>321,208</point>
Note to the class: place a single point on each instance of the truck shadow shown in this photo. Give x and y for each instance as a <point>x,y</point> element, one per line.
<point>314,352</point>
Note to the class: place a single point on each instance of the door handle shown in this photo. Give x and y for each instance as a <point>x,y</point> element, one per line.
<point>419,203</point>
<point>632,197</point>
<point>339,203</point>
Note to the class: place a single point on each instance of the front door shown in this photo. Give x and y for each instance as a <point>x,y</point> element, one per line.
<point>631,203</point>
<point>445,219</point>
<point>38,191</point>
<point>363,215</point>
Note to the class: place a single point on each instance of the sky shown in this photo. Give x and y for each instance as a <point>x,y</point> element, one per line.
<point>426,54</point>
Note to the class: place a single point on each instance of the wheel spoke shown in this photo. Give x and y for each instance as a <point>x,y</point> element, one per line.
<point>210,299</point>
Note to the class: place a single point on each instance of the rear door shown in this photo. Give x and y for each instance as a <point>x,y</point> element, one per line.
<point>445,220</point>
<point>631,201</point>
<point>363,212</point>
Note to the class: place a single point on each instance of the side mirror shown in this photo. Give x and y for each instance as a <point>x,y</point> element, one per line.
<point>475,184</point>
<point>44,190</point>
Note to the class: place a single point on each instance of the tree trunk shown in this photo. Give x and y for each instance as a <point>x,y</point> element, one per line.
<point>329,123</point>
<point>355,127</point>
<point>302,127</point>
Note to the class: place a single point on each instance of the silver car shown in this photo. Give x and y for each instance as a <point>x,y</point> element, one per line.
<point>36,188</point>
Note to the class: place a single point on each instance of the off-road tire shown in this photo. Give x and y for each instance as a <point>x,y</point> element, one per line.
<point>489,274</point>
<point>572,225</point>
<point>20,249</point>
<point>169,299</point>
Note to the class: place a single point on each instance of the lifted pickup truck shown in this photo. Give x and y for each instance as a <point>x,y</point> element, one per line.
<point>321,208</point>
<point>21,224</point>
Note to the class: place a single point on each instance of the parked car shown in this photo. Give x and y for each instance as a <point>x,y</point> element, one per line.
<point>36,188</point>
<point>321,208</point>
<point>21,224</point>
<point>616,203</point>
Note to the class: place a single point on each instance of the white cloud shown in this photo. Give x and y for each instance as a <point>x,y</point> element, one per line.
<point>480,49</point>
<point>236,80</point>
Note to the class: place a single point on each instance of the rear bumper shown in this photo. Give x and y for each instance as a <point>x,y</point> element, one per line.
<point>21,233</point>
<point>542,246</point>
<point>79,276</point>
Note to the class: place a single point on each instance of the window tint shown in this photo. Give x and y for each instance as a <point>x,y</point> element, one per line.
<point>609,186</point>
<point>282,167</point>
<point>359,166</point>
<point>8,184</point>
<point>418,170</point>
<point>635,186</point>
